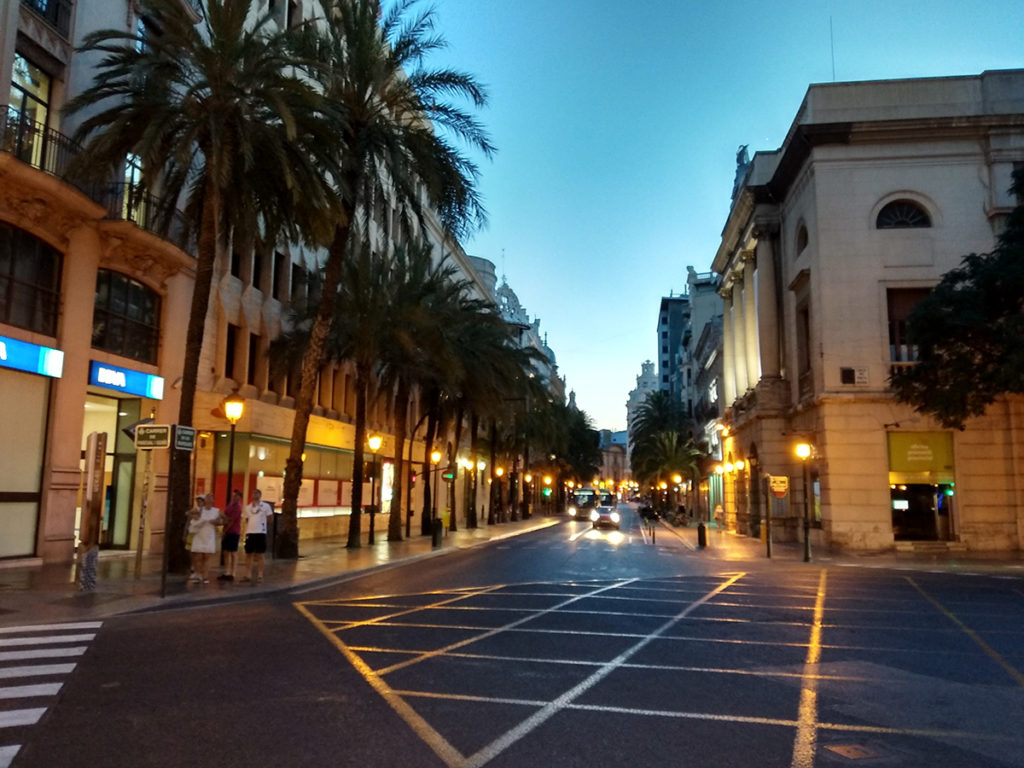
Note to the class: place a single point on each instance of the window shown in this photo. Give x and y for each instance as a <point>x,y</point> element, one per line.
<point>125,317</point>
<point>230,351</point>
<point>801,238</point>
<point>900,303</point>
<point>257,269</point>
<point>29,109</point>
<point>275,286</point>
<point>236,263</point>
<point>29,281</point>
<point>803,348</point>
<point>902,214</point>
<point>254,357</point>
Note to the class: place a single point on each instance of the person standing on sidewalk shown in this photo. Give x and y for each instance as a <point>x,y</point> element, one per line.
<point>256,515</point>
<point>204,539</point>
<point>232,517</point>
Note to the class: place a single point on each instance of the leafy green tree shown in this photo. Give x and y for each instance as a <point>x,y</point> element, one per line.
<point>396,115</point>
<point>968,331</point>
<point>221,119</point>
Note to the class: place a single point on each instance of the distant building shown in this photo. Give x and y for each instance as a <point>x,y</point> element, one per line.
<point>878,190</point>
<point>646,383</point>
<point>673,320</point>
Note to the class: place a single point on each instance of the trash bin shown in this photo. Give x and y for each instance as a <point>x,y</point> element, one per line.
<point>437,533</point>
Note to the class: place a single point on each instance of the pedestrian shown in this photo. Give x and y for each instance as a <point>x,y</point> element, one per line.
<point>232,518</point>
<point>256,515</point>
<point>204,539</point>
<point>192,514</point>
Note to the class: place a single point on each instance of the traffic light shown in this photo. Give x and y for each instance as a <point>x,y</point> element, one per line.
<point>546,493</point>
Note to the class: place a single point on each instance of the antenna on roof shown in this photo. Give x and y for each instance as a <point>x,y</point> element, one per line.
<point>832,41</point>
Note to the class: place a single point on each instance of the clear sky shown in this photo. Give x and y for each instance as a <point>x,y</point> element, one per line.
<point>617,125</point>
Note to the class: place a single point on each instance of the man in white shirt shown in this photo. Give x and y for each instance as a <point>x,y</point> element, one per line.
<point>257,513</point>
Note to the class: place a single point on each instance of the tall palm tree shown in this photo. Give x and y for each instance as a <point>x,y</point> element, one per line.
<point>374,73</point>
<point>221,119</point>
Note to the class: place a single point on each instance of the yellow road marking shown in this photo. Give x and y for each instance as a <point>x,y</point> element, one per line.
<point>806,741</point>
<point>1011,670</point>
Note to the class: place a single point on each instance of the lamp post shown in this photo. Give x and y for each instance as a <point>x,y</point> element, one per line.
<point>803,451</point>
<point>234,406</point>
<point>499,473</point>
<point>435,524</point>
<point>374,442</point>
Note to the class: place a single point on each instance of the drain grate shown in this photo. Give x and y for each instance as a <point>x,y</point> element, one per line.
<point>853,751</point>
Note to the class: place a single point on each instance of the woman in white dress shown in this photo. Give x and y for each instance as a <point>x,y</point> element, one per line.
<point>203,528</point>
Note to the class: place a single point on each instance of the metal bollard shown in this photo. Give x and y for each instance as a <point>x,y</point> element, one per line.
<point>702,535</point>
<point>437,533</point>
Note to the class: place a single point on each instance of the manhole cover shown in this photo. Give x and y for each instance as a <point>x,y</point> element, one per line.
<point>853,751</point>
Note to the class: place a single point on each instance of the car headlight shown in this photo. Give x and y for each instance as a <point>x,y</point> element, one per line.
<point>594,516</point>
<point>615,517</point>
<point>572,512</point>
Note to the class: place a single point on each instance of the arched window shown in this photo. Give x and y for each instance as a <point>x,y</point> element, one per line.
<point>126,317</point>
<point>29,281</point>
<point>902,214</point>
<point>801,238</point>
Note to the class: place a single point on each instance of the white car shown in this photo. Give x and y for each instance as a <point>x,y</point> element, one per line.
<point>605,517</point>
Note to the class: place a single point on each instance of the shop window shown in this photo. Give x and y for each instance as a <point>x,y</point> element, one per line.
<point>902,214</point>
<point>900,303</point>
<point>125,317</point>
<point>29,281</point>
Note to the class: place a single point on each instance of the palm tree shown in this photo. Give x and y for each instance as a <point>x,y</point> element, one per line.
<point>373,72</point>
<point>222,120</point>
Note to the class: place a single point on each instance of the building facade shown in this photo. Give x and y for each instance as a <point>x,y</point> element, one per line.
<point>878,190</point>
<point>93,315</point>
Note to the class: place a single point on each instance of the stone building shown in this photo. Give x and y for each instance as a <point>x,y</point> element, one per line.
<point>878,189</point>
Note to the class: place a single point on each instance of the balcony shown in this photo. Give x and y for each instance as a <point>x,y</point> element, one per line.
<point>56,13</point>
<point>52,152</point>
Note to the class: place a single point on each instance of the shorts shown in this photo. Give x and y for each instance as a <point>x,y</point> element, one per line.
<point>255,543</point>
<point>230,542</point>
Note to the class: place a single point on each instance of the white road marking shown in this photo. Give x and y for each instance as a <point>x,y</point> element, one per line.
<point>28,691</point>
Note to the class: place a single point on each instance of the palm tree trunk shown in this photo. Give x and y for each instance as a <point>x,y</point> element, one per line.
<point>428,492</point>
<point>179,482</point>
<point>355,520</point>
<point>287,538</point>
<point>495,489</point>
<point>474,428</point>
<point>452,463</point>
<point>401,473</point>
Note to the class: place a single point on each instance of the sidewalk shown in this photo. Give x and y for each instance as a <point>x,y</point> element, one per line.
<point>725,545</point>
<point>49,593</point>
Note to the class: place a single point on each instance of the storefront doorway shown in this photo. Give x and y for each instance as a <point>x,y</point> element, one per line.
<point>111,415</point>
<point>921,486</point>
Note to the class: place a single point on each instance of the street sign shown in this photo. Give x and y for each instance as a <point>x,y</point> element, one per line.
<point>779,485</point>
<point>148,436</point>
<point>184,438</point>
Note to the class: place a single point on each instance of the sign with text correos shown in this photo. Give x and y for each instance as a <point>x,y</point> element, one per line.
<point>126,380</point>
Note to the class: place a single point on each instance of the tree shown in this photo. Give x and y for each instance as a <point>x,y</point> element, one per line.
<point>220,119</point>
<point>390,158</point>
<point>968,330</point>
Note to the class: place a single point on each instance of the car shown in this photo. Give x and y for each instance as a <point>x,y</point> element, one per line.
<point>605,516</point>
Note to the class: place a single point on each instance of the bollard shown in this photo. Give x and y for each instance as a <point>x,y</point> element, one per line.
<point>702,535</point>
<point>437,533</point>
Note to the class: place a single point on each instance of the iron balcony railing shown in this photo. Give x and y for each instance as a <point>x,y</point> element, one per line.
<point>50,151</point>
<point>56,13</point>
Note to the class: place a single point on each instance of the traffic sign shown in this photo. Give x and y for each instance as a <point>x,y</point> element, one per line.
<point>184,437</point>
<point>148,436</point>
<point>779,485</point>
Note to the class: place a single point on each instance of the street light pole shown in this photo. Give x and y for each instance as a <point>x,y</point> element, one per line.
<point>233,408</point>
<point>803,450</point>
<point>374,442</point>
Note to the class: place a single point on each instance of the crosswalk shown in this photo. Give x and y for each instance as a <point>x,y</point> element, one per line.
<point>34,660</point>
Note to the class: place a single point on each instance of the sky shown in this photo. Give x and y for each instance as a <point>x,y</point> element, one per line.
<point>617,124</point>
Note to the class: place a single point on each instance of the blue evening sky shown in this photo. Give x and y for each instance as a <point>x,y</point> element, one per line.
<point>617,124</point>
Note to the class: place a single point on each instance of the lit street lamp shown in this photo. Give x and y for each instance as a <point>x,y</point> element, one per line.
<point>233,406</point>
<point>803,451</point>
<point>374,442</point>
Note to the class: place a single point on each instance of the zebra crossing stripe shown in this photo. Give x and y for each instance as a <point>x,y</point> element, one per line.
<point>7,754</point>
<point>71,625</point>
<point>16,717</point>
<point>28,691</point>
<point>36,670</point>
<point>10,642</point>
<point>42,653</point>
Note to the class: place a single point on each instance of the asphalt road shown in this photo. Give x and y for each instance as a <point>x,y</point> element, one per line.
<point>564,647</point>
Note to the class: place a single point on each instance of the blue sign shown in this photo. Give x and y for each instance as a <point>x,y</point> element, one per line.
<point>33,358</point>
<point>126,380</point>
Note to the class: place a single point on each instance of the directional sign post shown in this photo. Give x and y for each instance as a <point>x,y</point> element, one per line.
<point>149,436</point>
<point>779,485</point>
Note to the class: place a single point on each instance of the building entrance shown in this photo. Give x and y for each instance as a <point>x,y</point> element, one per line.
<point>111,415</point>
<point>921,486</point>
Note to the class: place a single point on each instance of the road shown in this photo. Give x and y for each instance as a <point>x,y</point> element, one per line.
<point>563,647</point>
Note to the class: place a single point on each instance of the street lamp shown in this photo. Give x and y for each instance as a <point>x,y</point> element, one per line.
<point>435,458</point>
<point>499,472</point>
<point>803,452</point>
<point>374,442</point>
<point>234,406</point>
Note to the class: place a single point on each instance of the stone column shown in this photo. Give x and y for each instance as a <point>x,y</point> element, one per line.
<point>750,318</point>
<point>728,370</point>
<point>739,340</point>
<point>768,311</point>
